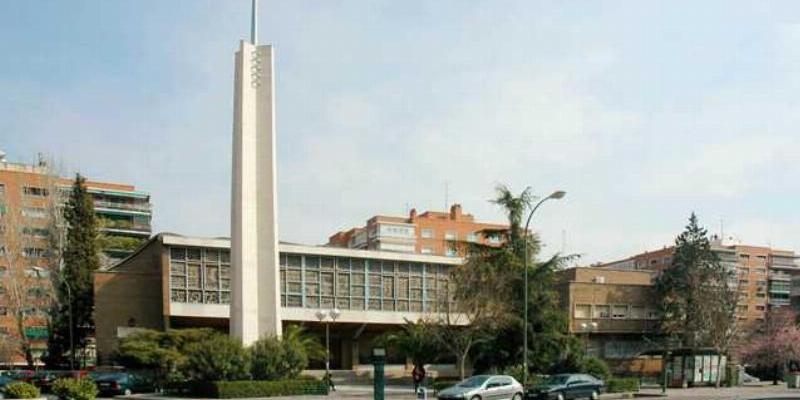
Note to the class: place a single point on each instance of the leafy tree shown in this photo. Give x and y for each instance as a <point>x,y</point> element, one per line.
<point>218,357</point>
<point>417,341</point>
<point>75,284</point>
<point>284,357</point>
<point>698,293</point>
<point>489,288</point>
<point>775,344</point>
<point>163,352</point>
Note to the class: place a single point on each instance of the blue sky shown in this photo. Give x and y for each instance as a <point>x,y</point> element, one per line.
<point>641,111</point>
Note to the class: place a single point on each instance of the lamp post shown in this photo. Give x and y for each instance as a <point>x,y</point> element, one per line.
<point>558,194</point>
<point>39,272</point>
<point>588,328</point>
<point>322,315</point>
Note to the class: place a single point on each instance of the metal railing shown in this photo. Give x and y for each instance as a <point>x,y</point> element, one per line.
<point>136,206</point>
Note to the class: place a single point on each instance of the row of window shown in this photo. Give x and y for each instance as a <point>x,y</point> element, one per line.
<point>27,312</point>
<point>29,252</point>
<point>32,272</point>
<point>614,311</point>
<point>428,233</point>
<point>200,275</point>
<point>363,284</point>
<point>27,191</point>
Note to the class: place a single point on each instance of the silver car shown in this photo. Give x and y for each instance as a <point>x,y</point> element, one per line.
<point>484,387</point>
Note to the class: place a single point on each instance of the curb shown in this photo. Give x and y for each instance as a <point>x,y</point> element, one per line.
<point>614,396</point>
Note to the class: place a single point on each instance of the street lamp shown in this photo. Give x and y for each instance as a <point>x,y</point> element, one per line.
<point>322,315</point>
<point>558,194</point>
<point>39,272</point>
<point>588,328</point>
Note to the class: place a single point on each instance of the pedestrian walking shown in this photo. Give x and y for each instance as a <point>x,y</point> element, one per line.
<point>418,375</point>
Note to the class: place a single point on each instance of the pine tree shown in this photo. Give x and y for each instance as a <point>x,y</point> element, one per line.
<point>75,280</point>
<point>696,290</point>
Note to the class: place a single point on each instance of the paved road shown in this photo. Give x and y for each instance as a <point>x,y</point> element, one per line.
<point>737,393</point>
<point>404,393</point>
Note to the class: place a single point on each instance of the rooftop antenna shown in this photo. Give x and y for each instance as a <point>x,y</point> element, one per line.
<point>446,200</point>
<point>254,23</point>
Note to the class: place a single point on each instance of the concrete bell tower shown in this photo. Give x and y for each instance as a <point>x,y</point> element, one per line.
<point>255,310</point>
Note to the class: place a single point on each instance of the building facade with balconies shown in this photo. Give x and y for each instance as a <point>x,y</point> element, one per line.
<point>764,275</point>
<point>431,233</point>
<point>30,198</point>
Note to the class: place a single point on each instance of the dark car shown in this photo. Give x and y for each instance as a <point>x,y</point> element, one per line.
<point>4,381</point>
<point>24,375</point>
<point>566,387</point>
<point>115,383</point>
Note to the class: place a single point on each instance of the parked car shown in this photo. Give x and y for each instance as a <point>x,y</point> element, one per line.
<point>566,387</point>
<point>4,381</point>
<point>115,383</point>
<point>484,387</point>
<point>24,375</point>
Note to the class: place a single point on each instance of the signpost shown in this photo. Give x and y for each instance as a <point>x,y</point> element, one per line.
<point>378,380</point>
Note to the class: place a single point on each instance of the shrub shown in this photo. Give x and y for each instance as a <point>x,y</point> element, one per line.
<point>251,389</point>
<point>218,357</point>
<point>286,357</point>
<point>596,367</point>
<point>619,385</point>
<point>21,390</point>
<point>75,389</point>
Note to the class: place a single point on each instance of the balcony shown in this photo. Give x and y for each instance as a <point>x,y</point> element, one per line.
<point>776,276</point>
<point>142,207</point>
<point>783,262</point>
<point>779,302</point>
<point>780,289</point>
<point>123,226</point>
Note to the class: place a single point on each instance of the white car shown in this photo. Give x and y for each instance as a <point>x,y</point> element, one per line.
<point>484,387</point>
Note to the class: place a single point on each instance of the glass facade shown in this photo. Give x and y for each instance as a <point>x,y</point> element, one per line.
<point>312,281</point>
<point>199,275</point>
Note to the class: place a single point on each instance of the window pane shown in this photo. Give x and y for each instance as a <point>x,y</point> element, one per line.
<point>212,278</point>
<point>343,303</point>
<point>342,284</point>
<point>177,282</point>
<point>602,311</point>
<point>583,311</point>
<point>327,283</point>
<point>177,253</point>
<point>312,262</point>
<point>194,276</point>
<point>177,268</point>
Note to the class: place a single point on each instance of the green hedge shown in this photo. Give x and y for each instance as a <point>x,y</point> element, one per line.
<point>239,389</point>
<point>21,390</point>
<point>620,385</point>
<point>75,389</point>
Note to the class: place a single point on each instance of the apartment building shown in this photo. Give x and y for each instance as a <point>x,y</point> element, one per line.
<point>30,197</point>
<point>431,232</point>
<point>614,312</point>
<point>764,274</point>
<point>175,281</point>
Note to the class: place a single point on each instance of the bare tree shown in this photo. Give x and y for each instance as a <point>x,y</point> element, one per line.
<point>27,252</point>
<point>468,319</point>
